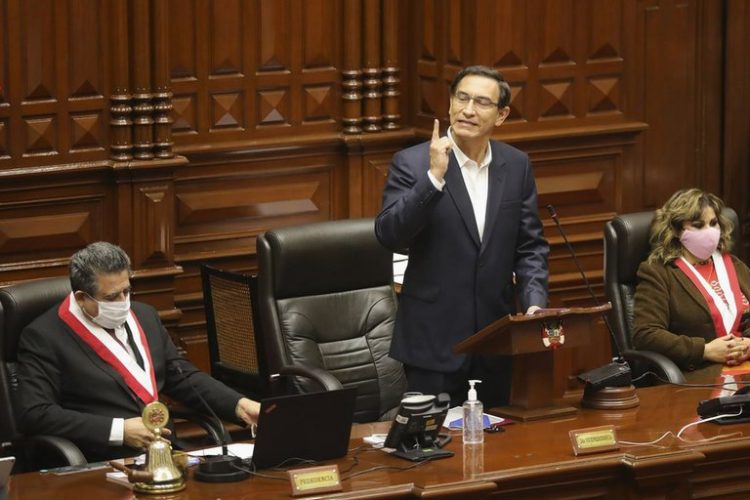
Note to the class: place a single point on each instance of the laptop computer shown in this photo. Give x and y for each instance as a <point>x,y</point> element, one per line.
<point>314,426</point>
<point>6,465</point>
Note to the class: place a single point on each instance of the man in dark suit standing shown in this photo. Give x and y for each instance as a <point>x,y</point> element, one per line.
<point>88,366</point>
<point>465,209</point>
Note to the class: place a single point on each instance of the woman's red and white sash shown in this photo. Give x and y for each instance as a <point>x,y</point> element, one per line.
<point>725,312</point>
<point>141,381</point>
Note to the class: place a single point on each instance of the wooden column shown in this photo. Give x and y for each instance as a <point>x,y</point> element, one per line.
<point>143,121</point>
<point>391,81</point>
<point>372,73</point>
<point>160,81</point>
<point>121,146</point>
<point>351,74</point>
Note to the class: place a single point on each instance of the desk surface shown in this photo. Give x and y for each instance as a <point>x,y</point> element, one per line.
<point>534,459</point>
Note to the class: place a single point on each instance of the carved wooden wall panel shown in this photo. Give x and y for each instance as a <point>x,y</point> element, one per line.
<point>736,125</point>
<point>43,223</point>
<point>664,103</point>
<point>50,112</point>
<point>221,207</point>
<point>288,111</point>
<point>563,59</point>
<point>242,70</point>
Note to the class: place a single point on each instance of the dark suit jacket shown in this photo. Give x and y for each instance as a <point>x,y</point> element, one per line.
<point>671,316</point>
<point>454,286</point>
<point>66,389</point>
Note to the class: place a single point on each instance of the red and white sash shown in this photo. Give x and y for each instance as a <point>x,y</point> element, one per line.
<point>141,381</point>
<point>726,312</point>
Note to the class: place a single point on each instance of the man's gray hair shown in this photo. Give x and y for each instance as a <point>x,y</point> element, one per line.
<point>97,258</point>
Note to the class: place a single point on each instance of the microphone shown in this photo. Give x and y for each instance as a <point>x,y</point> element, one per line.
<point>222,468</point>
<point>617,373</point>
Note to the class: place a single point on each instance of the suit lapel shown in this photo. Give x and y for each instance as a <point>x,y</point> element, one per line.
<point>102,365</point>
<point>454,184</point>
<point>495,188</point>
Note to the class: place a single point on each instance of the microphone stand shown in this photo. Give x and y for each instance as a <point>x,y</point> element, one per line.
<point>222,468</point>
<point>615,377</point>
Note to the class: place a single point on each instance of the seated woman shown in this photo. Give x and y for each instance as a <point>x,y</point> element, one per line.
<point>692,293</point>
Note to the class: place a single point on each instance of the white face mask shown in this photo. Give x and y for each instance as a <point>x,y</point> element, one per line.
<point>112,314</point>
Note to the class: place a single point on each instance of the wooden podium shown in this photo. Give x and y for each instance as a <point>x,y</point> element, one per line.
<point>520,336</point>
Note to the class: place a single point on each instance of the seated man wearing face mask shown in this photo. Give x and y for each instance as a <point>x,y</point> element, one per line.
<point>89,365</point>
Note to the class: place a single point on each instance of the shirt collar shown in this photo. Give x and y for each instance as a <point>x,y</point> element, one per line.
<point>461,156</point>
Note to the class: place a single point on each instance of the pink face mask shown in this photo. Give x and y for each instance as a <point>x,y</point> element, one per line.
<point>701,242</point>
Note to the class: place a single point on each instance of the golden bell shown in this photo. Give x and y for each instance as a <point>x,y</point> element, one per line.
<point>165,476</point>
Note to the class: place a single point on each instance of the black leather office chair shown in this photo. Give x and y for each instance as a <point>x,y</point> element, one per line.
<point>626,245</point>
<point>234,348</point>
<point>20,305</point>
<point>326,302</point>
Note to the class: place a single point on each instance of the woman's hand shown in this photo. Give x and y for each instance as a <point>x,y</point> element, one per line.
<point>729,350</point>
<point>743,345</point>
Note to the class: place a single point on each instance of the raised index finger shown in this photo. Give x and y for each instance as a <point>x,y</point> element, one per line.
<point>436,130</point>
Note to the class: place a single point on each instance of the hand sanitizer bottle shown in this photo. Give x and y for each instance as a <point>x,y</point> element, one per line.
<point>473,428</point>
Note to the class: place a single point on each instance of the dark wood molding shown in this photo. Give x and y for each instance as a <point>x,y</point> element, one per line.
<point>183,129</point>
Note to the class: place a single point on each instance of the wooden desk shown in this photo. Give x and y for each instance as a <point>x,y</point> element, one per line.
<point>533,459</point>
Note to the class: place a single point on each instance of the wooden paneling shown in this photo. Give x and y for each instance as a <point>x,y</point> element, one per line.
<point>563,59</point>
<point>254,79</point>
<point>48,216</point>
<point>667,108</point>
<point>736,147</point>
<point>288,111</point>
<point>53,71</point>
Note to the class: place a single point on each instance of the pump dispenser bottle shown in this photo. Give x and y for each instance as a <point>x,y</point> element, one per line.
<point>473,428</point>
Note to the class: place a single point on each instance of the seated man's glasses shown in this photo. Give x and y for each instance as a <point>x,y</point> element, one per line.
<point>481,102</point>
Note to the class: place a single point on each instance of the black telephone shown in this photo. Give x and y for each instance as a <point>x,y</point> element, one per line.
<point>737,405</point>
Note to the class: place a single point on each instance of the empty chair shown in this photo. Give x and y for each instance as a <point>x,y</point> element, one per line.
<point>326,302</point>
<point>19,306</point>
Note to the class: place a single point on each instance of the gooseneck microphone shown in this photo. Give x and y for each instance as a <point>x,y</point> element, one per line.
<point>222,468</point>
<point>617,373</point>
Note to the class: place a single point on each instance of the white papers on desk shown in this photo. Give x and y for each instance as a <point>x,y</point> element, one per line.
<point>120,478</point>
<point>241,450</point>
<point>455,416</point>
<point>399,267</point>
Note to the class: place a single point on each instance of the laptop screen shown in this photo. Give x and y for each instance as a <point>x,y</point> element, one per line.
<point>298,427</point>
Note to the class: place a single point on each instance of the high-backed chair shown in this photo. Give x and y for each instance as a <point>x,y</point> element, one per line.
<point>626,245</point>
<point>20,304</point>
<point>326,301</point>
<point>234,347</point>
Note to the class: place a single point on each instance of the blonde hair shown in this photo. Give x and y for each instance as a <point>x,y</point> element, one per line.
<point>686,205</point>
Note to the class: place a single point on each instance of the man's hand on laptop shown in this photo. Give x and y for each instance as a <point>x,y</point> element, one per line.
<point>137,436</point>
<point>247,410</point>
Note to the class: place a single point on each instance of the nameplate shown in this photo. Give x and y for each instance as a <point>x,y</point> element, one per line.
<point>323,479</point>
<point>593,439</point>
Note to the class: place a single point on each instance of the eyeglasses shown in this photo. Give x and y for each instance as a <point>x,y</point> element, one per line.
<point>481,102</point>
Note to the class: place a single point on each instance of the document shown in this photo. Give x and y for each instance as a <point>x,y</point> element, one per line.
<point>455,419</point>
<point>241,450</point>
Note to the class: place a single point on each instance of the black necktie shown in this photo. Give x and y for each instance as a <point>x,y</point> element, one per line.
<point>131,343</point>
